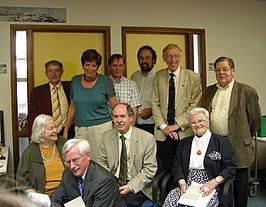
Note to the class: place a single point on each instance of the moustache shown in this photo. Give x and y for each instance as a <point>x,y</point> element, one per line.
<point>119,124</point>
<point>54,134</point>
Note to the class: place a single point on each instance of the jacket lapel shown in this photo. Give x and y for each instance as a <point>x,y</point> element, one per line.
<point>234,98</point>
<point>181,87</point>
<point>133,147</point>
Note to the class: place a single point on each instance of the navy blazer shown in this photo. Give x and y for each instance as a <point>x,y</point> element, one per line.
<point>225,166</point>
<point>100,188</point>
<point>40,102</point>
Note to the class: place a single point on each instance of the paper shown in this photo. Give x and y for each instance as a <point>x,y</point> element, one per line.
<point>40,199</point>
<point>77,202</point>
<point>193,197</point>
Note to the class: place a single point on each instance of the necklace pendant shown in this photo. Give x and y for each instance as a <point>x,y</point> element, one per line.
<point>199,152</point>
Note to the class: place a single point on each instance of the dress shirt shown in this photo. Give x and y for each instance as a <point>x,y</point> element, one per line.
<point>127,91</point>
<point>199,143</point>
<point>127,142</point>
<point>63,101</point>
<point>145,87</point>
<point>220,109</point>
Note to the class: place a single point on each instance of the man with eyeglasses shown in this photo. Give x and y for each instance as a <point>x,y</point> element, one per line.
<point>235,114</point>
<point>42,98</point>
<point>147,57</point>
<point>126,90</point>
<point>84,177</point>
<point>175,92</point>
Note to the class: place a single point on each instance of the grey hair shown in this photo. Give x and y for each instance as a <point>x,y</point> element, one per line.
<point>199,110</point>
<point>130,111</point>
<point>171,46</point>
<point>38,127</point>
<point>83,146</point>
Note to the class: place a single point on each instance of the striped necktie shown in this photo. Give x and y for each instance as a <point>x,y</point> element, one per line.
<point>56,109</point>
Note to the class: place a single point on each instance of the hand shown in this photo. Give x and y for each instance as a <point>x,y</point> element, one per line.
<point>145,113</point>
<point>208,187</point>
<point>65,134</point>
<point>174,135</point>
<point>124,190</point>
<point>183,188</point>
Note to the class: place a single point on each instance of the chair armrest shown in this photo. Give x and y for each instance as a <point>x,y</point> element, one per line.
<point>155,185</point>
<point>226,190</point>
<point>165,186</point>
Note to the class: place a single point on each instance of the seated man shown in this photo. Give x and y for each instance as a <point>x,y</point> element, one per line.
<point>129,154</point>
<point>85,178</point>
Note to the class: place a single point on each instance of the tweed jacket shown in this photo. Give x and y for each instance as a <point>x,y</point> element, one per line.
<point>244,119</point>
<point>100,188</point>
<point>188,96</point>
<point>142,158</point>
<point>40,102</point>
<point>31,170</point>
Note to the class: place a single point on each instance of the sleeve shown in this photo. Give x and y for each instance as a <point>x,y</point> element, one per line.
<point>59,197</point>
<point>110,90</point>
<point>23,172</point>
<point>136,97</point>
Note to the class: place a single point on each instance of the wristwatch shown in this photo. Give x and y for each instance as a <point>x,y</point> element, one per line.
<point>218,179</point>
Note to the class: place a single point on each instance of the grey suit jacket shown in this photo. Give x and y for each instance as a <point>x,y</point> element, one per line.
<point>188,96</point>
<point>100,188</point>
<point>142,155</point>
<point>243,120</point>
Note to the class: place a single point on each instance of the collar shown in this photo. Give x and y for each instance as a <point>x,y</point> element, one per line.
<point>119,81</point>
<point>176,72</point>
<point>230,85</point>
<point>152,72</point>
<point>127,135</point>
<point>59,85</point>
<point>204,137</point>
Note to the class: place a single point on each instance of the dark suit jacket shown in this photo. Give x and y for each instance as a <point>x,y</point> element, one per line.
<point>100,188</point>
<point>40,102</point>
<point>225,166</point>
<point>243,120</point>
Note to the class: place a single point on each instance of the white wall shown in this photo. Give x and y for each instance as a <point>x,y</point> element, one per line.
<point>234,28</point>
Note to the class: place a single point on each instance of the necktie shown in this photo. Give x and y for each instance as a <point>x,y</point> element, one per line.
<point>123,163</point>
<point>80,184</point>
<point>56,109</point>
<point>171,100</point>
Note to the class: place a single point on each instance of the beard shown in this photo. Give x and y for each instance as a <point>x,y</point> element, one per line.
<point>145,67</point>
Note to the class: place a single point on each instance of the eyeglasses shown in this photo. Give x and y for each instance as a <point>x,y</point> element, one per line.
<point>199,122</point>
<point>75,161</point>
<point>223,70</point>
<point>170,57</point>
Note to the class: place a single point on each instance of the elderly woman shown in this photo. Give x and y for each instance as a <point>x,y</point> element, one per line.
<point>205,158</point>
<point>91,95</point>
<point>41,164</point>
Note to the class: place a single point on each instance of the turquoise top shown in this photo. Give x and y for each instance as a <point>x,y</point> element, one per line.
<point>91,104</point>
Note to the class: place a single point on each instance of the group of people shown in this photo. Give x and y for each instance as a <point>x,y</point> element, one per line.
<point>122,125</point>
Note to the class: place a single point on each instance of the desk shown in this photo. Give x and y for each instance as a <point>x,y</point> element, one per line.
<point>3,163</point>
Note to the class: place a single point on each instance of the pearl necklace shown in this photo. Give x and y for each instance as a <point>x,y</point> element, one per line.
<point>52,157</point>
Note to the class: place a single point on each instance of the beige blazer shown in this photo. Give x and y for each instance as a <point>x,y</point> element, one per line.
<point>142,155</point>
<point>188,96</point>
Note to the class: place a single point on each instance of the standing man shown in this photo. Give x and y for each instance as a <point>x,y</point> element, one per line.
<point>129,154</point>
<point>236,115</point>
<point>126,90</point>
<point>147,59</point>
<point>51,98</point>
<point>85,178</point>
<point>175,92</point>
